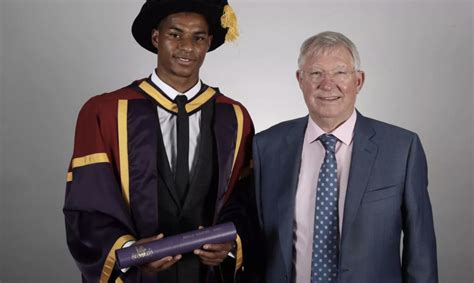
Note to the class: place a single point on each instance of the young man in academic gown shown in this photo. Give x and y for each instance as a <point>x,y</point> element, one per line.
<point>160,156</point>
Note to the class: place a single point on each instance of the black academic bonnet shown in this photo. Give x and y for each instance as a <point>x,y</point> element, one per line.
<point>220,18</point>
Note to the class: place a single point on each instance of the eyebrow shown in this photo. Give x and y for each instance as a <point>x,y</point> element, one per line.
<point>199,32</point>
<point>338,66</point>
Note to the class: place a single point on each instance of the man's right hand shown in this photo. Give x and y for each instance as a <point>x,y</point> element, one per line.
<point>158,265</point>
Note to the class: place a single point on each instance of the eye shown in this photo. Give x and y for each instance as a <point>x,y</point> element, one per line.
<point>316,74</point>
<point>174,35</point>
<point>341,73</point>
<point>200,38</point>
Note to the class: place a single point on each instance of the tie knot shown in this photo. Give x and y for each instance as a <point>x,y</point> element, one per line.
<point>181,102</point>
<point>329,142</point>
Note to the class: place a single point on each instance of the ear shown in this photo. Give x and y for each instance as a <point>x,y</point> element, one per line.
<point>299,77</point>
<point>360,79</point>
<point>155,35</point>
<point>209,41</point>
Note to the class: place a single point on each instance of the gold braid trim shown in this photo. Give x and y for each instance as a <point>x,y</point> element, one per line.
<point>239,257</point>
<point>110,261</point>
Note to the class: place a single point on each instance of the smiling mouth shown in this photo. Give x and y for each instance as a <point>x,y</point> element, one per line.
<point>331,98</point>
<point>184,60</point>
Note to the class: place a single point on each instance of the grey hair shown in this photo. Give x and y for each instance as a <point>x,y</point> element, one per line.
<point>327,40</point>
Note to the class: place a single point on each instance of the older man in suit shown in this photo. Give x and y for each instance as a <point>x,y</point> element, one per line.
<point>336,191</point>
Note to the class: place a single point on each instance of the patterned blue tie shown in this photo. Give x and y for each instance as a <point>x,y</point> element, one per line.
<point>324,260</point>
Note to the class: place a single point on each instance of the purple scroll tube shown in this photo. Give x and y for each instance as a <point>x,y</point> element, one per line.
<point>174,245</point>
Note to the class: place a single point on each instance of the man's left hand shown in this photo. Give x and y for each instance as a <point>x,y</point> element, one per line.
<point>214,254</point>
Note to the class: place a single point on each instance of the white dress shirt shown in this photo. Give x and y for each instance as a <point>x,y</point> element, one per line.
<point>168,123</point>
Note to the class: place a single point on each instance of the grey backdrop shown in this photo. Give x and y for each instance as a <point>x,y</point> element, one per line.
<point>54,55</point>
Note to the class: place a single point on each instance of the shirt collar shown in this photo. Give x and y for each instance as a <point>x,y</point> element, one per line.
<point>344,132</point>
<point>170,91</point>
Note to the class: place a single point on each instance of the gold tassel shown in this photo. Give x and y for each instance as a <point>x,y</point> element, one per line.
<point>229,21</point>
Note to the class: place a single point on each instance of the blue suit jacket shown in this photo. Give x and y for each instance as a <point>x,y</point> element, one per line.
<point>386,195</point>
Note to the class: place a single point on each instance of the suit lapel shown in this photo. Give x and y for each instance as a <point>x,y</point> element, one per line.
<point>289,162</point>
<point>364,152</point>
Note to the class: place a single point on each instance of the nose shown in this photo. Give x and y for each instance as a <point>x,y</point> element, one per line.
<point>186,43</point>
<point>327,83</point>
